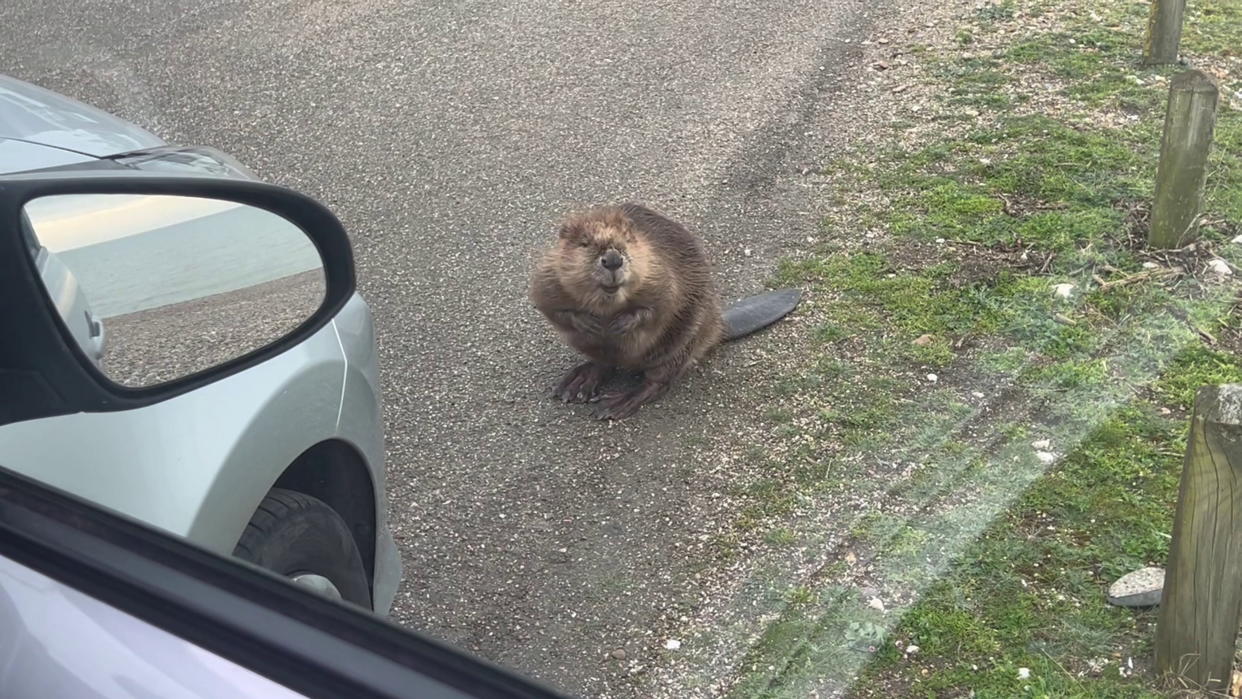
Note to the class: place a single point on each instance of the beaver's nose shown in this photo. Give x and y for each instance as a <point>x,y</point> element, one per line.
<point>611,260</point>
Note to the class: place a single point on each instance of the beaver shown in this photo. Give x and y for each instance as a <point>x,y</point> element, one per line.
<point>632,289</point>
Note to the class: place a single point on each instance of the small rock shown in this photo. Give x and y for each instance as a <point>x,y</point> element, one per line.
<point>924,340</point>
<point>911,650</point>
<point>1237,240</point>
<point>940,241</point>
<point>876,603</point>
<point>746,252</point>
<point>879,65</point>
<point>932,378</point>
<point>1220,268</point>
<point>977,394</point>
<point>1150,265</point>
<point>1024,673</point>
<point>900,89</point>
<point>619,654</point>
<point>881,41</point>
<point>1043,444</point>
<point>1141,588</point>
<point>672,644</point>
<point>1046,457</point>
<point>1063,291</point>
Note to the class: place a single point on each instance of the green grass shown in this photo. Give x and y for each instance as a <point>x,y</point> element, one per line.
<point>1029,592</point>
<point>982,223</point>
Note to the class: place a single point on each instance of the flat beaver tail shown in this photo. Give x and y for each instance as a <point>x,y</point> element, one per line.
<point>758,312</point>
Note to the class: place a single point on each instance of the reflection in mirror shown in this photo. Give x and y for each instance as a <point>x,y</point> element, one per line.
<point>157,287</point>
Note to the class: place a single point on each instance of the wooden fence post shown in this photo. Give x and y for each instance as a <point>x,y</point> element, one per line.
<point>1164,31</point>
<point>1202,597</point>
<point>1182,170</point>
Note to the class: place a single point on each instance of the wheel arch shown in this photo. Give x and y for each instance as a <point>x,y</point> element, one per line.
<point>336,473</point>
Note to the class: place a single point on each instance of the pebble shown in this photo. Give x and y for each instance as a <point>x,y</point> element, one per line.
<point>923,340</point>
<point>1237,240</point>
<point>1045,457</point>
<point>1150,265</point>
<point>672,644</point>
<point>619,654</point>
<point>1141,588</point>
<point>932,378</point>
<point>911,650</point>
<point>876,603</point>
<point>1063,291</point>
<point>1024,673</point>
<point>1220,268</point>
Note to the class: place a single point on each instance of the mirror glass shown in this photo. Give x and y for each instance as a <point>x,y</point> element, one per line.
<point>157,287</point>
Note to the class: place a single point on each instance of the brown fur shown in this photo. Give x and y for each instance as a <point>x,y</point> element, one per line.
<point>662,318</point>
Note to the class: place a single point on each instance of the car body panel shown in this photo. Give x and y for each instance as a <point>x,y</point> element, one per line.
<point>196,465</point>
<point>19,156</point>
<point>37,115</point>
<point>48,625</point>
<point>71,303</point>
<point>362,407</point>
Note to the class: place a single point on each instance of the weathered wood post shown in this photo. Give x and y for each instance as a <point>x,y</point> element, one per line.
<point>1164,31</point>
<point>1182,171</point>
<point>1202,597</point>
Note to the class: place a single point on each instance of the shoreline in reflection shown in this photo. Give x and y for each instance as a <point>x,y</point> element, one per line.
<point>172,341</point>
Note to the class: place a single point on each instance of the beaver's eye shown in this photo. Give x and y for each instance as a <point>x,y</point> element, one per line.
<point>583,244</point>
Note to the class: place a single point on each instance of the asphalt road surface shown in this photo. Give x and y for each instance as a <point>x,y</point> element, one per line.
<point>449,137</point>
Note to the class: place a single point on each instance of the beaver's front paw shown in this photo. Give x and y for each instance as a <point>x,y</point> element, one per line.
<point>581,383</point>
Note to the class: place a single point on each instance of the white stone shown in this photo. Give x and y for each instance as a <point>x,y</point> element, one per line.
<point>1063,291</point>
<point>1046,457</point>
<point>1220,268</point>
<point>1142,588</point>
<point>1237,240</point>
<point>672,644</point>
<point>933,378</point>
<point>1150,265</point>
<point>1024,673</point>
<point>911,650</point>
<point>876,603</point>
<point>1043,444</point>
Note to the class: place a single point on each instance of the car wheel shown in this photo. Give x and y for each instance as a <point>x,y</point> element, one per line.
<point>301,538</point>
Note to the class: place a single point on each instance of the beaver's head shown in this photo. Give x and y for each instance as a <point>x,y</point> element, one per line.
<point>602,258</point>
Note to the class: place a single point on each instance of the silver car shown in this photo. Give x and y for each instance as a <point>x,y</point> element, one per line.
<point>280,463</point>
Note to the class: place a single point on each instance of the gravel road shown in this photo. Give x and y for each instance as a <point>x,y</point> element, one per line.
<point>449,137</point>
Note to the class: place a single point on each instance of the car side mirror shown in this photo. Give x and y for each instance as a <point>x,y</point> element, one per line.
<point>120,291</point>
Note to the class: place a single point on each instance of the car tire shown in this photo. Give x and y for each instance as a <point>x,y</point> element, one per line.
<point>293,534</point>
